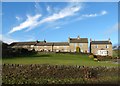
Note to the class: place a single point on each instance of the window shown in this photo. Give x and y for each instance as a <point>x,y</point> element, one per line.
<point>107,52</point>
<point>32,45</point>
<point>80,44</point>
<point>107,46</point>
<point>64,47</point>
<point>57,46</point>
<point>81,50</point>
<point>75,44</point>
<point>96,46</point>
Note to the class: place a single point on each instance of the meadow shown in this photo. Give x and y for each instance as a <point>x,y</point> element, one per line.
<point>58,68</point>
<point>57,59</point>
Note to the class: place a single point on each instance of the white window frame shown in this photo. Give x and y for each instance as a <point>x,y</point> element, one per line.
<point>80,44</point>
<point>32,45</point>
<point>102,52</point>
<point>75,44</point>
<point>65,47</point>
<point>57,47</point>
<point>81,50</point>
<point>96,46</point>
<point>107,46</point>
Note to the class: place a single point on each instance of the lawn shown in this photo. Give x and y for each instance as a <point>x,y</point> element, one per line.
<point>116,53</point>
<point>57,59</point>
<point>56,74</point>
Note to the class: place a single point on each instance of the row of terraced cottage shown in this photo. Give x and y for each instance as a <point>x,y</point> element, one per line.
<point>96,47</point>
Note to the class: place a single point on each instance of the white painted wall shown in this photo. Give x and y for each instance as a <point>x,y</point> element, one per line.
<point>102,52</point>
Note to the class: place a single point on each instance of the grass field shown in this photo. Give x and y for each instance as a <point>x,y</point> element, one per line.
<point>57,59</point>
<point>116,53</point>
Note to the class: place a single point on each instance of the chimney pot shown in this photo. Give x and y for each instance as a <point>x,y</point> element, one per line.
<point>90,40</point>
<point>78,37</point>
<point>109,39</point>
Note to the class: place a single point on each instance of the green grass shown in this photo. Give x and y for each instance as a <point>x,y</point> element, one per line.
<point>116,53</point>
<point>57,59</point>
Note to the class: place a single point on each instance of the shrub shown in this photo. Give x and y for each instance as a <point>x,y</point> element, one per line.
<point>17,52</point>
<point>91,56</point>
<point>103,58</point>
<point>95,59</point>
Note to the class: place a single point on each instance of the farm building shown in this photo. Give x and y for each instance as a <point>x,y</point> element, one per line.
<point>70,46</point>
<point>80,43</point>
<point>101,47</point>
<point>74,44</point>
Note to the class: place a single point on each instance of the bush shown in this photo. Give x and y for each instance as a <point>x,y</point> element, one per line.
<point>17,52</point>
<point>103,58</point>
<point>95,59</point>
<point>91,56</point>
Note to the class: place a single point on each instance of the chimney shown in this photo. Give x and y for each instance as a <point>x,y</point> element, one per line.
<point>90,40</point>
<point>44,41</point>
<point>109,39</point>
<point>78,37</point>
<point>68,39</point>
<point>37,41</point>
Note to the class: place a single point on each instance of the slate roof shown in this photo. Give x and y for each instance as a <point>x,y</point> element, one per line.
<point>61,44</point>
<point>78,40</point>
<point>53,44</point>
<point>44,44</point>
<point>100,42</point>
<point>40,43</point>
<point>22,43</point>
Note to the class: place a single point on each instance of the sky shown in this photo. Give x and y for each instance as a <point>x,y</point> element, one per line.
<point>56,21</point>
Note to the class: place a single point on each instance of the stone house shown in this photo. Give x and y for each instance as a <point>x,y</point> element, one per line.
<point>96,47</point>
<point>81,43</point>
<point>27,45</point>
<point>102,48</point>
<point>70,46</point>
<point>52,46</point>
<point>43,46</point>
<point>61,47</point>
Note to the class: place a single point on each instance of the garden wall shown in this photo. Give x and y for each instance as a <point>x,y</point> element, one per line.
<point>44,73</point>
